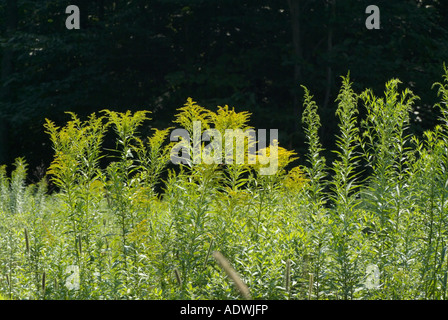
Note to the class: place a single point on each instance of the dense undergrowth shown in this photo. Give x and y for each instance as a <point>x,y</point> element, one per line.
<point>370,225</point>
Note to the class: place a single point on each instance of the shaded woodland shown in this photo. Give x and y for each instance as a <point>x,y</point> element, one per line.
<point>251,55</point>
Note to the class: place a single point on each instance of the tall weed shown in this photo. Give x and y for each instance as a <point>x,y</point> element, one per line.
<point>126,224</point>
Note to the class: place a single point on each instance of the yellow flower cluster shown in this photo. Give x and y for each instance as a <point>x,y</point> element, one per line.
<point>226,118</point>
<point>295,180</point>
<point>284,157</point>
<point>191,112</point>
<point>232,127</point>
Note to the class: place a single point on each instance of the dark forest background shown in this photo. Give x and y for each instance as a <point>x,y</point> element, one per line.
<point>252,55</point>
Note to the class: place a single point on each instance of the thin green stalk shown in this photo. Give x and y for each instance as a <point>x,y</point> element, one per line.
<point>233,275</point>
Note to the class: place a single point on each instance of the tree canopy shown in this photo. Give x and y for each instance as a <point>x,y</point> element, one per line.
<point>253,55</point>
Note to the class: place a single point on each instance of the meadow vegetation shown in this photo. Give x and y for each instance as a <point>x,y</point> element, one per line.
<point>370,225</point>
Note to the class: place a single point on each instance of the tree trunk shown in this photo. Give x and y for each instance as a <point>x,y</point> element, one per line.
<point>329,49</point>
<point>329,70</point>
<point>5,91</point>
<point>294,11</point>
<point>329,80</point>
<point>100,10</point>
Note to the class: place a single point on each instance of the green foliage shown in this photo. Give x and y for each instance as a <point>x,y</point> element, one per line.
<point>370,225</point>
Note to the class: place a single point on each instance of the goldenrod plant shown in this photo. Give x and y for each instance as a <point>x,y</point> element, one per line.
<point>154,216</point>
